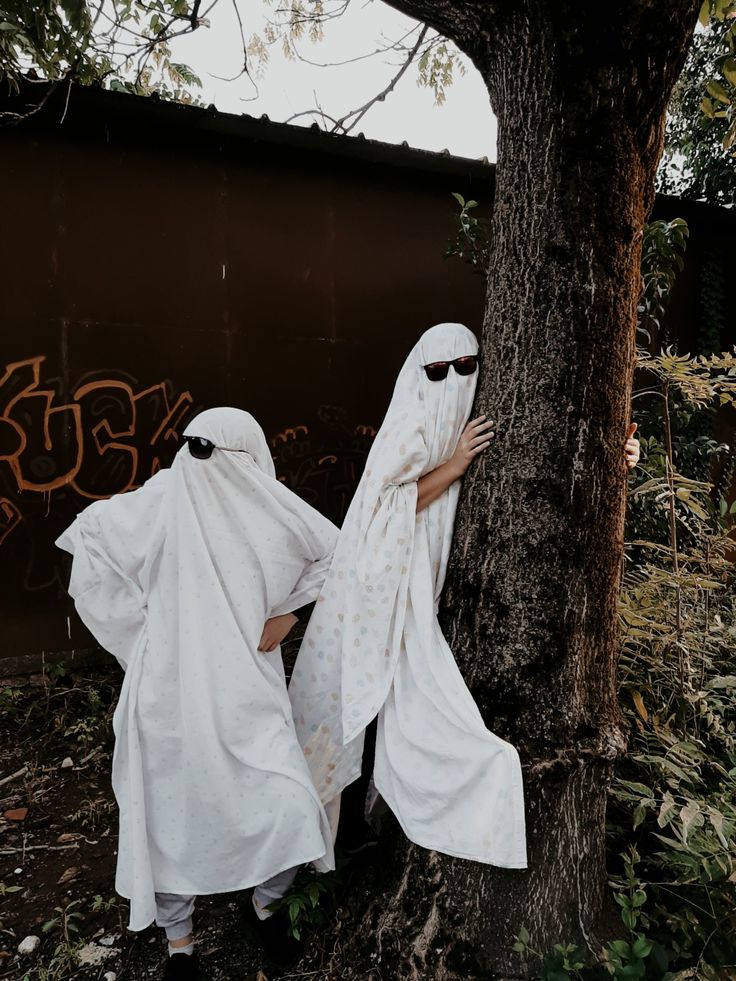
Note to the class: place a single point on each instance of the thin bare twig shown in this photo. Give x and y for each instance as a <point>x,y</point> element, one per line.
<point>38,848</point>
<point>244,70</point>
<point>16,117</point>
<point>313,112</point>
<point>397,45</point>
<point>14,776</point>
<point>66,106</point>
<point>358,114</point>
<point>355,115</point>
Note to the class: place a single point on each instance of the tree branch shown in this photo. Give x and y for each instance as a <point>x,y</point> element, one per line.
<point>357,114</point>
<point>462,21</point>
<point>342,125</point>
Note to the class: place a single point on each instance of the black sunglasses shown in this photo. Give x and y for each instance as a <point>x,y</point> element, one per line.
<point>200,448</point>
<point>466,365</point>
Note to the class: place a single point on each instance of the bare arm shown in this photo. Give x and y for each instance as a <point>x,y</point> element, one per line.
<point>476,436</point>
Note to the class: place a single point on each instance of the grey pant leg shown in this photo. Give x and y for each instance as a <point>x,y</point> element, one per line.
<point>174,914</point>
<point>272,889</point>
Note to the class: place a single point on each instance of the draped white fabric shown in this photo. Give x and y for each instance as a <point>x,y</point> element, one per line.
<point>177,579</point>
<point>374,646</point>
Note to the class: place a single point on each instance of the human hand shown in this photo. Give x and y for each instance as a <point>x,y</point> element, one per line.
<point>632,448</point>
<point>476,436</point>
<point>275,630</point>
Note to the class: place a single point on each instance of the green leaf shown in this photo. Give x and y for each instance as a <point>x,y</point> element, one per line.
<point>718,91</point>
<point>642,947</point>
<point>639,788</point>
<point>629,918</point>
<point>690,816</point>
<point>620,948</point>
<point>728,70</point>
<point>730,138</point>
<point>635,970</point>
<point>667,810</point>
<point>704,15</point>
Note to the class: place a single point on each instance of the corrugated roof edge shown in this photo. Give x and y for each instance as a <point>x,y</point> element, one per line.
<point>74,108</point>
<point>86,101</point>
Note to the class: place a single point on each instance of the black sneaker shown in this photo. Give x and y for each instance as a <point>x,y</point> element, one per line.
<point>182,967</point>
<point>281,949</point>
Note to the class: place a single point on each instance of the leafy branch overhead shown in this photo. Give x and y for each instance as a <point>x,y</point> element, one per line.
<point>121,45</point>
<point>700,145</point>
<point>127,45</point>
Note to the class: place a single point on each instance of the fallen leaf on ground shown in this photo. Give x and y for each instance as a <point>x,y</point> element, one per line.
<point>29,945</point>
<point>71,873</point>
<point>16,814</point>
<point>67,836</point>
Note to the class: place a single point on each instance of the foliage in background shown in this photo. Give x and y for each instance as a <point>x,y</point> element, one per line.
<point>121,44</point>
<point>127,45</point>
<point>675,796</point>
<point>699,160</point>
<point>310,900</point>
<point>662,258</point>
<point>471,242</point>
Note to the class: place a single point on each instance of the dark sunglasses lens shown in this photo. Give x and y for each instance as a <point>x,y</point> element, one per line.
<point>437,371</point>
<point>466,366</point>
<point>201,449</point>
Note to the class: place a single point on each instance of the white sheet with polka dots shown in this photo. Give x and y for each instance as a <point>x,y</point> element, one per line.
<point>374,646</point>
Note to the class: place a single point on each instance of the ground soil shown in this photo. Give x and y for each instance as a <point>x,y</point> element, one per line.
<point>57,861</point>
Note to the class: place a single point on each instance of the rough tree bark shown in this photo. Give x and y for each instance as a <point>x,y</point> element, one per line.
<point>580,92</point>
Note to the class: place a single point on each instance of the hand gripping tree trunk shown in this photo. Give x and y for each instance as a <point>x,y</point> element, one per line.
<point>530,607</point>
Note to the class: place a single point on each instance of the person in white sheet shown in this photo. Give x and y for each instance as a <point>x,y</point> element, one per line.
<point>374,647</point>
<point>190,581</point>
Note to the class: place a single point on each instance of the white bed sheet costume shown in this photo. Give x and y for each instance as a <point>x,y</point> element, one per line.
<point>374,645</point>
<point>177,579</point>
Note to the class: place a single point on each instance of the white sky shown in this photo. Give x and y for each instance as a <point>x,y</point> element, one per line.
<point>464,124</point>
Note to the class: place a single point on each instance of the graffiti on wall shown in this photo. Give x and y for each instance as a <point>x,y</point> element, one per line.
<point>107,437</point>
<point>60,450</point>
<point>324,471</point>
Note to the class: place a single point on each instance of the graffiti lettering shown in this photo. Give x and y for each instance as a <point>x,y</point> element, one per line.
<point>106,438</point>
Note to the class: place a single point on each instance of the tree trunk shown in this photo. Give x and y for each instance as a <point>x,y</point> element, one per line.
<point>530,606</point>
